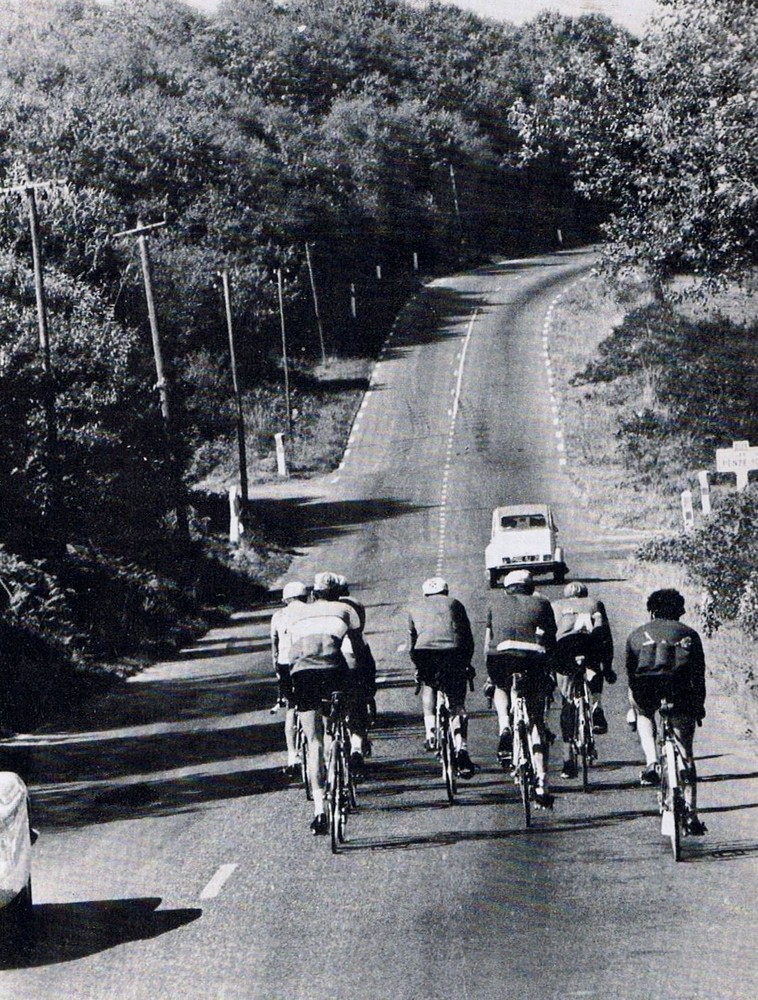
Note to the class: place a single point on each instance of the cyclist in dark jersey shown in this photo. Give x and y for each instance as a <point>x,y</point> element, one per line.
<point>441,647</point>
<point>665,660</point>
<point>520,637</point>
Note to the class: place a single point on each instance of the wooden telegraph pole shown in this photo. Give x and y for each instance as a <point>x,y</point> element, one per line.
<point>28,188</point>
<point>284,353</point>
<point>315,304</point>
<point>237,396</point>
<point>141,232</point>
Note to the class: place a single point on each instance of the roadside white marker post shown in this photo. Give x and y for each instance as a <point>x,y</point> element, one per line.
<point>415,261</point>
<point>236,526</point>
<point>281,458</point>
<point>739,459</point>
<point>705,491</point>
<point>378,272</point>
<point>687,510</point>
<point>353,307</point>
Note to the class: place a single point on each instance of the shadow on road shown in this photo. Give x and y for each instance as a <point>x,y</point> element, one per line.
<point>312,522</point>
<point>68,931</point>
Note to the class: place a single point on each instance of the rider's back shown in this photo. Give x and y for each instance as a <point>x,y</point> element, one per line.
<point>439,621</point>
<point>522,618</point>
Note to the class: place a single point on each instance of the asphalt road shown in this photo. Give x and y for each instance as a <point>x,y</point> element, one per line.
<point>174,860</point>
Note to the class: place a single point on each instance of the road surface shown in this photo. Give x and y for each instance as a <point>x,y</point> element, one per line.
<point>176,862</point>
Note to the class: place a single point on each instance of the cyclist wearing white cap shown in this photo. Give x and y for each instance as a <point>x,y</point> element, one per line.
<point>319,667</point>
<point>520,637</point>
<point>293,593</point>
<point>441,647</point>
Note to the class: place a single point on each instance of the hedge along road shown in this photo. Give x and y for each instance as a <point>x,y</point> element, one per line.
<point>174,860</point>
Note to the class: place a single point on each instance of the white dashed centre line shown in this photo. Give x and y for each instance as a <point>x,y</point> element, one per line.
<point>216,884</point>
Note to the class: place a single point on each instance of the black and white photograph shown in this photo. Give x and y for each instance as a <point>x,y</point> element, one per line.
<point>378,500</point>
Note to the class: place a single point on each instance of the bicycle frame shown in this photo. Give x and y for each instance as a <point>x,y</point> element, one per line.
<point>339,790</point>
<point>524,773</point>
<point>583,740</point>
<point>445,744</point>
<point>671,794</point>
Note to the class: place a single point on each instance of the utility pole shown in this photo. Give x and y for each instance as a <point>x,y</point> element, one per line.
<point>237,397</point>
<point>284,353</point>
<point>28,188</point>
<point>454,186</point>
<point>315,304</point>
<point>141,232</point>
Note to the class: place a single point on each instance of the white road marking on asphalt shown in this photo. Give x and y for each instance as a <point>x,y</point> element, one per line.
<point>216,884</point>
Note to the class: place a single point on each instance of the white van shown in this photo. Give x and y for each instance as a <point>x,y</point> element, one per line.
<point>16,839</point>
<point>524,537</point>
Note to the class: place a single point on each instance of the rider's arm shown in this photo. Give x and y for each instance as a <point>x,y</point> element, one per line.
<point>274,643</point>
<point>605,637</point>
<point>631,660</point>
<point>464,628</point>
<point>697,675</point>
<point>412,633</point>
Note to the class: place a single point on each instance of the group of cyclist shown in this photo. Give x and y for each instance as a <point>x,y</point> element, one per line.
<point>318,647</point>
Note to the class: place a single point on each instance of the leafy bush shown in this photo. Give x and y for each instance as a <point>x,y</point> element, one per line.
<point>720,556</point>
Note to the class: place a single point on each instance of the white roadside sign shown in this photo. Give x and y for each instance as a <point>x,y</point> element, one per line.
<point>740,459</point>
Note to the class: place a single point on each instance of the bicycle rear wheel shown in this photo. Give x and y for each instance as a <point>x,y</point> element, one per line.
<point>524,773</point>
<point>585,745</point>
<point>333,798</point>
<point>445,744</point>
<point>677,827</point>
<point>306,778</point>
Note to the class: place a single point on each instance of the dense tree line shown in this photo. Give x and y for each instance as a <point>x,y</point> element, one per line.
<point>367,129</point>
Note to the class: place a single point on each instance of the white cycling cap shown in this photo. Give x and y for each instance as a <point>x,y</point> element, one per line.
<point>517,576</point>
<point>294,589</point>
<point>326,582</point>
<point>434,585</point>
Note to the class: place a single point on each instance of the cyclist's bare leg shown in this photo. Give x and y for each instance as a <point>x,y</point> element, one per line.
<point>646,730</point>
<point>459,726</point>
<point>313,727</point>
<point>501,699</point>
<point>684,732</point>
<point>429,708</point>
<point>289,735</point>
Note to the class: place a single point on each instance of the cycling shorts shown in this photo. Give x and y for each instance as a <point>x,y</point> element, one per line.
<point>444,670</point>
<point>312,687</point>
<point>502,666</point>
<point>648,692</point>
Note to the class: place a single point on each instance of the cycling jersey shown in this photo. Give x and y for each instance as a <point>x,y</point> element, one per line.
<point>666,656</point>
<point>440,622</point>
<point>582,629</point>
<point>281,643</point>
<point>521,623</point>
<point>317,632</point>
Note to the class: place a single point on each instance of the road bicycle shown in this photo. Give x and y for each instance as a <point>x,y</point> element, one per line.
<point>339,789</point>
<point>672,766</point>
<point>583,749</point>
<point>524,773</point>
